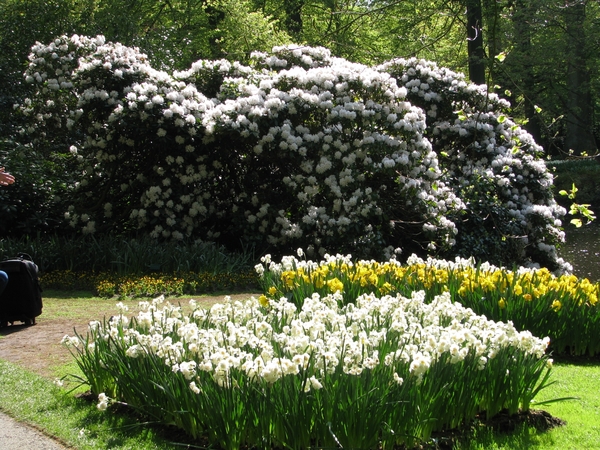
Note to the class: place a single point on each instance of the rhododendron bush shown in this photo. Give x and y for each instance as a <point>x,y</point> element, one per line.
<point>298,148</point>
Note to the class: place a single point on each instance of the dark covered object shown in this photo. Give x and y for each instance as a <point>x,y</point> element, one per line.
<point>22,297</point>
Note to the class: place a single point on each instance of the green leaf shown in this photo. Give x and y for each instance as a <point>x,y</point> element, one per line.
<point>501,56</point>
<point>537,109</point>
<point>501,118</point>
<point>577,222</point>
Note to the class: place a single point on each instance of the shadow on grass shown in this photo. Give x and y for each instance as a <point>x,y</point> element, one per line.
<point>522,430</point>
<point>53,293</point>
<point>584,361</point>
<point>127,424</point>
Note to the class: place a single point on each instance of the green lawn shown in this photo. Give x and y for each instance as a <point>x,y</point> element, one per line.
<point>581,414</point>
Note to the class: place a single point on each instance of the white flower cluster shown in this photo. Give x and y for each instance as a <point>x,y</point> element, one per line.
<point>298,149</point>
<point>284,57</point>
<point>486,156</point>
<point>405,334</point>
<point>103,401</point>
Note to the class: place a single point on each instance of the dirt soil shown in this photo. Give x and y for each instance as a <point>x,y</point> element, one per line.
<point>38,347</point>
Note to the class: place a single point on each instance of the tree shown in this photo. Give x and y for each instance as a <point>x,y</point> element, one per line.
<point>523,56</point>
<point>579,112</point>
<point>293,17</point>
<point>475,42</point>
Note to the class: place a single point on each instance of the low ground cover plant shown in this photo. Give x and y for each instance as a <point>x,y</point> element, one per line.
<point>135,266</point>
<point>106,284</point>
<point>126,255</point>
<point>374,372</point>
<point>565,308</point>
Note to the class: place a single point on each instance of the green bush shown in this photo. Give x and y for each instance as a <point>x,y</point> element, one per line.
<point>126,256</point>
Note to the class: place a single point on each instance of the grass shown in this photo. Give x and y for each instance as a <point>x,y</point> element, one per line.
<point>82,305</point>
<point>580,381</point>
<point>75,421</point>
<point>583,414</point>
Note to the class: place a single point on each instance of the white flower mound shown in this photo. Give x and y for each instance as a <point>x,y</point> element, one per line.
<point>483,148</point>
<point>321,336</point>
<point>296,149</point>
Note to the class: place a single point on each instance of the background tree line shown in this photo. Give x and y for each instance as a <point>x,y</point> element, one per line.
<point>542,55</point>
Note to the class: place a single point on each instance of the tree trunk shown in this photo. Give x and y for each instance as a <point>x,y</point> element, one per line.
<point>522,59</point>
<point>293,19</point>
<point>475,42</point>
<point>579,115</point>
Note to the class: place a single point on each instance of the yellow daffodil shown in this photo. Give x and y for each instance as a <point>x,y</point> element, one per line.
<point>263,300</point>
<point>518,289</point>
<point>335,285</point>
<point>386,288</point>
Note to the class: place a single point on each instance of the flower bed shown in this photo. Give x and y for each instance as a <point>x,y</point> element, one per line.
<point>376,372</point>
<point>106,284</point>
<point>565,308</point>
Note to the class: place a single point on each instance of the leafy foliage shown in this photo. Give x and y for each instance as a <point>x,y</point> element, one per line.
<point>126,256</point>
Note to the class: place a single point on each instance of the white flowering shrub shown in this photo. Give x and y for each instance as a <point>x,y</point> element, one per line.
<point>491,163</point>
<point>242,374</point>
<point>298,149</point>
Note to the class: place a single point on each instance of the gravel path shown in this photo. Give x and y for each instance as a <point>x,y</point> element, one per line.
<point>15,435</point>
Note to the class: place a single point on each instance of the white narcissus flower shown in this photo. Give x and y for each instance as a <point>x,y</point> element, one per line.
<point>237,335</point>
<point>103,401</point>
<point>194,388</point>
